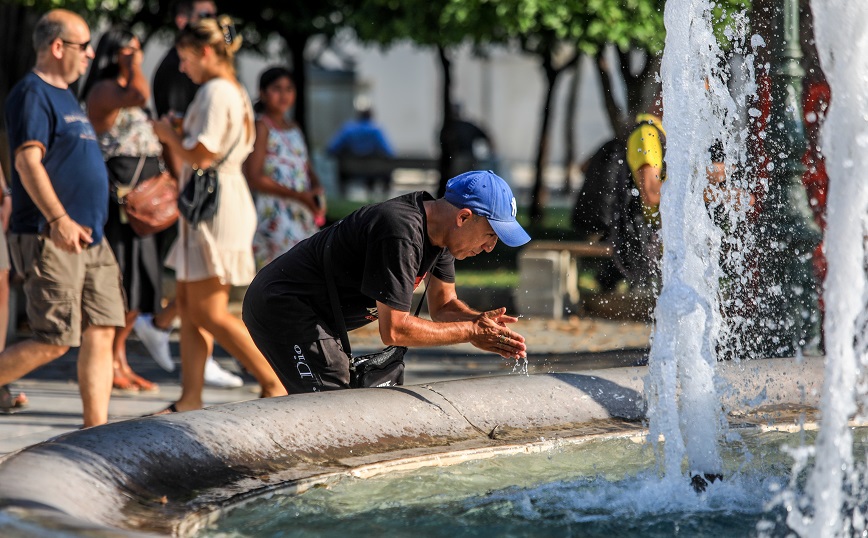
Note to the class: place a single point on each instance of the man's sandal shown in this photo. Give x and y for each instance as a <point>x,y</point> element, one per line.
<point>11,404</point>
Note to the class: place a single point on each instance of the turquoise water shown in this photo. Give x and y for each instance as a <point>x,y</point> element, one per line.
<point>597,488</point>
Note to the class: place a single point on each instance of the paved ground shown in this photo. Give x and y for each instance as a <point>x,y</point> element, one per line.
<point>573,344</point>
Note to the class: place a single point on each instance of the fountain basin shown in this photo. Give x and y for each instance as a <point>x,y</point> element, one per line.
<point>175,473</point>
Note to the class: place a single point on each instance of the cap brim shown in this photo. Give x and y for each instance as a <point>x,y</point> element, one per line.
<point>511,233</point>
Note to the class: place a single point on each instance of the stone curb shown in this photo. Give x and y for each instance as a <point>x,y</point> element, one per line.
<point>167,474</point>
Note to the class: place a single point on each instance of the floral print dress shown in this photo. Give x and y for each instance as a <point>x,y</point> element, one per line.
<point>282,222</point>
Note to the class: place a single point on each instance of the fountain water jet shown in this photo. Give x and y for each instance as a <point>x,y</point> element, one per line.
<point>699,110</point>
<point>830,505</point>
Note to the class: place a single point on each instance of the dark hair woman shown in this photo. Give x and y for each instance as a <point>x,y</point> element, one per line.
<point>114,93</point>
<point>290,200</point>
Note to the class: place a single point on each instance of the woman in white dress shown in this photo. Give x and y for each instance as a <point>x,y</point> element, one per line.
<point>210,258</point>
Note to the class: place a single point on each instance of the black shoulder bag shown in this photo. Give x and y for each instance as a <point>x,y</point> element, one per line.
<point>381,369</point>
<point>201,195</point>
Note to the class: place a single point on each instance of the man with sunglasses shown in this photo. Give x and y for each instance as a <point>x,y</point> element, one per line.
<point>59,208</point>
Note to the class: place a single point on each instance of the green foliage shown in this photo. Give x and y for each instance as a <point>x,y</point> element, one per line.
<point>500,277</point>
<point>93,11</point>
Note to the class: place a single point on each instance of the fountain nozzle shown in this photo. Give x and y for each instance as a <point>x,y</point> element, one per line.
<point>701,481</point>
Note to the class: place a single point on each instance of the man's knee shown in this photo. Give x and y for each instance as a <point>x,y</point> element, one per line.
<point>98,333</point>
<point>46,351</point>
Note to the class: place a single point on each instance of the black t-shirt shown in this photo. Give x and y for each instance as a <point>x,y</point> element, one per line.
<point>380,253</point>
<point>173,90</point>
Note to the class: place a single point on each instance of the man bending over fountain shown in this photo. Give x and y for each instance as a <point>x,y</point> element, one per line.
<point>380,254</point>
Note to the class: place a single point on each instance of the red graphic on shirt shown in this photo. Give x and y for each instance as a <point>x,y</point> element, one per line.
<point>374,315</point>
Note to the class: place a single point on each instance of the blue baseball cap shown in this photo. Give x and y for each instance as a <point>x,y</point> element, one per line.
<point>488,195</point>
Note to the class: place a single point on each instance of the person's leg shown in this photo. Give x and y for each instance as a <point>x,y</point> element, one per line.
<point>95,373</point>
<point>20,359</point>
<point>120,379</point>
<point>196,346</point>
<point>4,307</point>
<point>7,403</point>
<point>164,319</point>
<point>305,367</point>
<point>102,312</point>
<point>154,332</point>
<point>207,304</point>
<point>123,372</point>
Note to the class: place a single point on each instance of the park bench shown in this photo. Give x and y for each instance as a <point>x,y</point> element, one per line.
<point>378,171</point>
<point>548,275</point>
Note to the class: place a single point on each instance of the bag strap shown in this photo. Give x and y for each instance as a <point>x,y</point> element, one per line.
<point>136,176</point>
<point>138,173</point>
<point>333,292</point>
<point>216,164</point>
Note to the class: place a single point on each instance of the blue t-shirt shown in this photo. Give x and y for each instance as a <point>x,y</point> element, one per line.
<point>360,138</point>
<point>39,113</point>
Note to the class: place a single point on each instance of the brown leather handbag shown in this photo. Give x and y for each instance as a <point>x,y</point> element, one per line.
<point>151,205</point>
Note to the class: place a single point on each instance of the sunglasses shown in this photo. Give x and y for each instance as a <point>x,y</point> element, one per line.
<point>82,47</point>
<point>206,15</point>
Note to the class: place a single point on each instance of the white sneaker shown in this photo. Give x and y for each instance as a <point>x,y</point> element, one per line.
<point>156,341</point>
<point>216,376</point>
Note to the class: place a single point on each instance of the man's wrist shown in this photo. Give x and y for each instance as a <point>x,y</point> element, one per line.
<point>57,219</point>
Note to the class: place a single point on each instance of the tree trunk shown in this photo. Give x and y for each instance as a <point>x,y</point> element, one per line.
<point>17,57</point>
<point>446,138</point>
<point>570,130</point>
<point>296,44</point>
<point>639,91</point>
<point>617,119</point>
<point>539,195</point>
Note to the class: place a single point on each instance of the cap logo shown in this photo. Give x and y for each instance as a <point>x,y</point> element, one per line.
<point>514,209</point>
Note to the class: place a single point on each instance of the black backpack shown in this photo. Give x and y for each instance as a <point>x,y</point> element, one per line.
<point>593,212</point>
<point>633,238</point>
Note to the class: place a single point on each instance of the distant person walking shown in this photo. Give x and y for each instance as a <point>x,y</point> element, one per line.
<point>215,254</point>
<point>173,90</point>
<point>9,403</point>
<point>59,205</point>
<point>114,93</point>
<point>290,202</point>
<point>173,93</point>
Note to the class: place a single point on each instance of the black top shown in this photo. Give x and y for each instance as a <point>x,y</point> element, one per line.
<point>173,90</point>
<point>381,252</point>
<point>466,134</point>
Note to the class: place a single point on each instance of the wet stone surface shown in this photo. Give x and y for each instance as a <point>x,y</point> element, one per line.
<point>554,346</point>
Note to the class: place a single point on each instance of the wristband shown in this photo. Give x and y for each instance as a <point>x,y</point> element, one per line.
<point>52,221</point>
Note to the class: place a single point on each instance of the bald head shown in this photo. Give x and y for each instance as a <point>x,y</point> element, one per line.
<point>55,25</point>
<point>63,49</point>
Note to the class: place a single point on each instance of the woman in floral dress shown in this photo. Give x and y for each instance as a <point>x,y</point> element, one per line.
<point>290,205</point>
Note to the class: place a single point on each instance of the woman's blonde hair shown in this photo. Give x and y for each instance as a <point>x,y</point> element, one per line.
<point>218,33</point>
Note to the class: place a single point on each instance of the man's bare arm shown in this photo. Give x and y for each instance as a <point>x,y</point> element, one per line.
<point>67,234</point>
<point>649,184</point>
<point>454,323</point>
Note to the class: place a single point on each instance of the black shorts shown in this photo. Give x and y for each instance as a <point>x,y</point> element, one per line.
<point>307,366</point>
<point>302,364</point>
